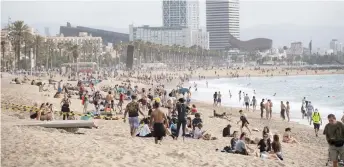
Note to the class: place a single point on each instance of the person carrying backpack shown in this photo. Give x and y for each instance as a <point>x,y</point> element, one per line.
<point>316,118</point>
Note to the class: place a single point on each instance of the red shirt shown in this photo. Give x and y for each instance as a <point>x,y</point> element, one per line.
<point>194,110</point>
<point>121,97</point>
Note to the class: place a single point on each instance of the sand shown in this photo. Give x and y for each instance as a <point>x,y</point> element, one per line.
<point>111,144</point>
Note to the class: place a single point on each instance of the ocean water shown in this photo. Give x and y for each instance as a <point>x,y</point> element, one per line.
<point>326,92</point>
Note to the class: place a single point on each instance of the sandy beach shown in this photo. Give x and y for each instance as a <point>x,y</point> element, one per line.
<point>112,145</point>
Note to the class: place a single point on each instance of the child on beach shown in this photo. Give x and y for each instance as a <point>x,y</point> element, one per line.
<point>244,122</point>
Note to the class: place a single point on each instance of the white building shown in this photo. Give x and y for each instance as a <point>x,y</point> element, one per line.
<point>181,13</point>
<point>200,38</point>
<point>296,49</point>
<point>336,46</point>
<point>160,35</point>
<point>79,40</point>
<point>182,36</point>
<point>222,19</point>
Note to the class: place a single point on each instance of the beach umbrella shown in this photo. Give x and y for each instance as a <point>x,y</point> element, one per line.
<point>183,90</point>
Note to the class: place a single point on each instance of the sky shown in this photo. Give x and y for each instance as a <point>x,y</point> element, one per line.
<point>119,14</point>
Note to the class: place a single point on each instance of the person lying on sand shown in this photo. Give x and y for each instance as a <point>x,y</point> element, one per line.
<point>287,138</point>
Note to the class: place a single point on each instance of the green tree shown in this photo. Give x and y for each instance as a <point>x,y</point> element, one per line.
<point>16,33</point>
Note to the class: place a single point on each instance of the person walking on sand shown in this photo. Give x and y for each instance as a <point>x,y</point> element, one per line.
<point>334,132</point>
<point>288,111</point>
<point>244,121</point>
<point>157,123</point>
<point>316,118</point>
<point>215,99</point>
<point>254,103</point>
<point>247,102</point>
<point>219,96</point>
<point>133,110</point>
<point>310,110</point>
<point>262,107</point>
<point>85,101</point>
<point>283,108</point>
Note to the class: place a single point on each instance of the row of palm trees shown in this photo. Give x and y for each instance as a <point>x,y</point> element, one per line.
<point>45,51</point>
<point>50,54</point>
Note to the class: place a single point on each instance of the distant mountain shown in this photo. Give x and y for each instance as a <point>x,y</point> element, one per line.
<point>282,35</point>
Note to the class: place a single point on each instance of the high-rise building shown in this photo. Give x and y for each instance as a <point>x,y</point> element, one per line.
<point>181,13</point>
<point>336,46</point>
<point>222,19</point>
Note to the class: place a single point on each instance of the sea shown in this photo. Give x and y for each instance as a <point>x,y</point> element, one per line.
<point>326,92</point>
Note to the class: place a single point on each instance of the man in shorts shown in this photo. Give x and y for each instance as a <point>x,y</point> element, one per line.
<point>247,102</point>
<point>334,132</point>
<point>133,109</point>
<point>158,123</point>
<point>316,118</point>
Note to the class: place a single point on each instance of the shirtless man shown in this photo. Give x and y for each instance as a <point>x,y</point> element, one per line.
<point>109,98</point>
<point>157,119</point>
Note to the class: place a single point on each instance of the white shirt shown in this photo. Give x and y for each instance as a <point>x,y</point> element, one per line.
<point>143,130</point>
<point>197,133</point>
<point>247,99</point>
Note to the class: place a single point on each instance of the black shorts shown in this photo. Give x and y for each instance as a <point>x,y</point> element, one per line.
<point>316,126</point>
<point>243,123</point>
<point>159,130</point>
<point>247,103</point>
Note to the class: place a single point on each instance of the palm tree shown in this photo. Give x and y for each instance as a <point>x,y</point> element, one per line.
<point>3,48</point>
<point>38,48</point>
<point>28,43</point>
<point>17,30</point>
<point>60,46</point>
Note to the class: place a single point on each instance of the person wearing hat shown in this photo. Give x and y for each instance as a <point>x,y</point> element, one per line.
<point>316,119</point>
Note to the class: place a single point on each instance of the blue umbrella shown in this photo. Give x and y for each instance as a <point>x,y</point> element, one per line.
<point>183,90</point>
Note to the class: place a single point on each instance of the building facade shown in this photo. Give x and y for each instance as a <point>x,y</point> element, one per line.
<point>222,20</point>
<point>107,36</point>
<point>180,13</point>
<point>336,46</point>
<point>81,39</point>
<point>296,49</point>
<point>161,35</point>
<point>200,38</point>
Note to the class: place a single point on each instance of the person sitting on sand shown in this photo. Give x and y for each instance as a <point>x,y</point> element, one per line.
<point>197,120</point>
<point>234,140</point>
<point>143,130</point>
<point>266,130</point>
<point>226,132</point>
<point>198,132</point>
<point>244,121</point>
<point>241,146</point>
<point>287,138</point>
<point>42,114</point>
<point>264,145</point>
<point>193,109</point>
<point>276,147</point>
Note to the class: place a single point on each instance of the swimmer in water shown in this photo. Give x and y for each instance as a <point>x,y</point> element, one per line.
<point>275,94</point>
